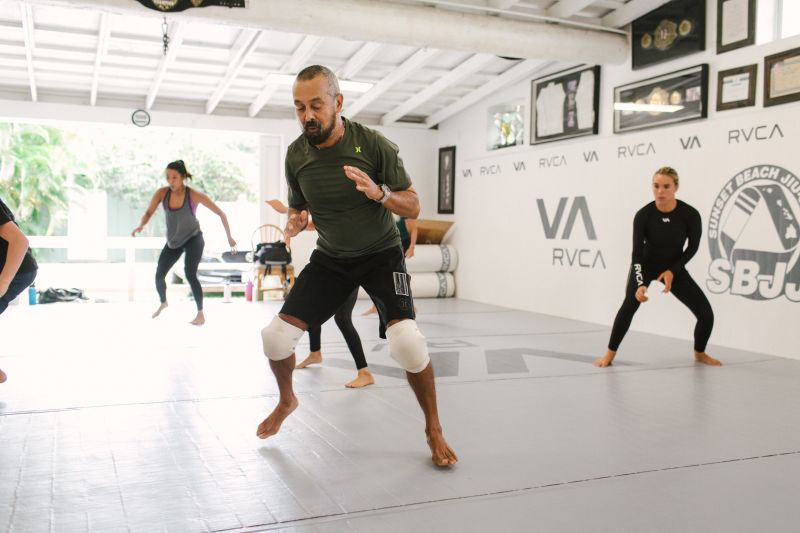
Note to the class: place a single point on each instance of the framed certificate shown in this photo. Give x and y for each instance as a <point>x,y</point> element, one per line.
<point>782,78</point>
<point>667,99</point>
<point>736,87</point>
<point>675,29</point>
<point>564,105</point>
<point>736,24</point>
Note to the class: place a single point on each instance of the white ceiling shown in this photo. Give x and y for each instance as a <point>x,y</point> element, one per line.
<point>81,53</point>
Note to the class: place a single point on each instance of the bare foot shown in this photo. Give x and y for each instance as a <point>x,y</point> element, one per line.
<point>605,360</point>
<point>3,377</point>
<point>441,453</point>
<point>314,358</point>
<point>363,379</point>
<point>703,357</point>
<point>272,424</point>
<point>160,308</point>
<point>369,311</point>
<point>199,320</point>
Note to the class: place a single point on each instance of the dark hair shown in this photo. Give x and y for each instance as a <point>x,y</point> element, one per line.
<point>311,72</point>
<point>180,167</point>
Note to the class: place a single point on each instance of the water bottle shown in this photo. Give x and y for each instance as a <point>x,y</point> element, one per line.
<point>227,293</point>
<point>248,291</point>
<point>32,295</point>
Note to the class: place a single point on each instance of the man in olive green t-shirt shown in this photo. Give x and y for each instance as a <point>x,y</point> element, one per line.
<point>351,179</point>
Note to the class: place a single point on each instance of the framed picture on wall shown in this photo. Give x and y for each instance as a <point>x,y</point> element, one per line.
<point>736,24</point>
<point>667,99</point>
<point>564,105</point>
<point>180,5</point>
<point>505,126</point>
<point>675,29</point>
<point>782,78</point>
<point>736,87</point>
<point>447,179</point>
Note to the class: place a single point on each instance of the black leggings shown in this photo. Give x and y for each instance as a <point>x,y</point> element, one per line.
<point>169,256</point>
<point>344,319</point>
<point>685,290</point>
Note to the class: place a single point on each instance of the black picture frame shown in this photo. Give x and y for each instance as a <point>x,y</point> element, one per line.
<point>676,29</point>
<point>750,5</point>
<point>782,78</point>
<point>683,95</point>
<point>579,114</point>
<point>172,6</point>
<point>447,180</point>
<point>730,80</point>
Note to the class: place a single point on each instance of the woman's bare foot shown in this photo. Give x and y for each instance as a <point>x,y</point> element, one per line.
<point>3,377</point>
<point>272,424</point>
<point>703,357</point>
<point>199,320</point>
<point>441,453</point>
<point>313,358</point>
<point>160,308</point>
<point>369,311</point>
<point>363,379</point>
<point>605,360</point>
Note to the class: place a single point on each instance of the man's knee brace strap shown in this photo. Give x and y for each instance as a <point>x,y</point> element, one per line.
<point>407,346</point>
<point>279,339</point>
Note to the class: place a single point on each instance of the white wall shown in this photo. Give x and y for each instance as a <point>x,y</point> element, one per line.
<point>505,258</point>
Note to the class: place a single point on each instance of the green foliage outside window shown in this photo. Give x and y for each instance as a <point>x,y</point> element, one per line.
<point>37,170</point>
<point>40,165</point>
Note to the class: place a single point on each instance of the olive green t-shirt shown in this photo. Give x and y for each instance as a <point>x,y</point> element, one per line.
<point>348,223</point>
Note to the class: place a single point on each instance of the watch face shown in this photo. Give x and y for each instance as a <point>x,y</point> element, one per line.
<point>386,193</point>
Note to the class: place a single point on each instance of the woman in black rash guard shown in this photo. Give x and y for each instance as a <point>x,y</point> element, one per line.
<point>660,230</point>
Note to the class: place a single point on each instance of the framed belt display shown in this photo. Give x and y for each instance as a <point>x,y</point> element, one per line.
<point>667,99</point>
<point>676,29</point>
<point>180,5</point>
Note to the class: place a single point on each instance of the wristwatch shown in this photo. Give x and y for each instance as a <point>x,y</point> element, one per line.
<point>387,192</point>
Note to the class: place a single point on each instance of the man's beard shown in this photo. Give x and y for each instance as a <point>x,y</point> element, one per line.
<point>321,134</point>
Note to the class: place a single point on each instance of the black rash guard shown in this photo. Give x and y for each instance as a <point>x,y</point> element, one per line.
<point>658,239</point>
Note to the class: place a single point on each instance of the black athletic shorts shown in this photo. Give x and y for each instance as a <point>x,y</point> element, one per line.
<point>326,282</point>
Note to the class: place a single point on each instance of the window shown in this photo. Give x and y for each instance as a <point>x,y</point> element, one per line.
<point>790,18</point>
<point>777,19</point>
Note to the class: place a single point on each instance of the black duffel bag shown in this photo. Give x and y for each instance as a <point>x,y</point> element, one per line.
<point>52,295</point>
<point>272,253</point>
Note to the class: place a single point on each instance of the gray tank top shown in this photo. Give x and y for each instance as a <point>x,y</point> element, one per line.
<point>182,224</point>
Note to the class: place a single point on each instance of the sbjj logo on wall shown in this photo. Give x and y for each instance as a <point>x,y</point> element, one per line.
<point>753,235</point>
<point>569,256</point>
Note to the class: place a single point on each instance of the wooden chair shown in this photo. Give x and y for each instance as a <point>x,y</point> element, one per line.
<point>271,233</point>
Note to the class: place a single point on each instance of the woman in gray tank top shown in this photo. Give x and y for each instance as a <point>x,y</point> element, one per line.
<point>183,232</point>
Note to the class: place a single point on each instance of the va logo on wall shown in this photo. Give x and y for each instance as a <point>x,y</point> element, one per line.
<point>571,256</point>
<point>754,235</point>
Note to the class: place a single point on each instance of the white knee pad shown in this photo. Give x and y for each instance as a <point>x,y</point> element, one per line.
<point>279,339</point>
<point>407,346</point>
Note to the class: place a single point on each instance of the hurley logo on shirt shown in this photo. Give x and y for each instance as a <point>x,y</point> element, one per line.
<point>358,149</point>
